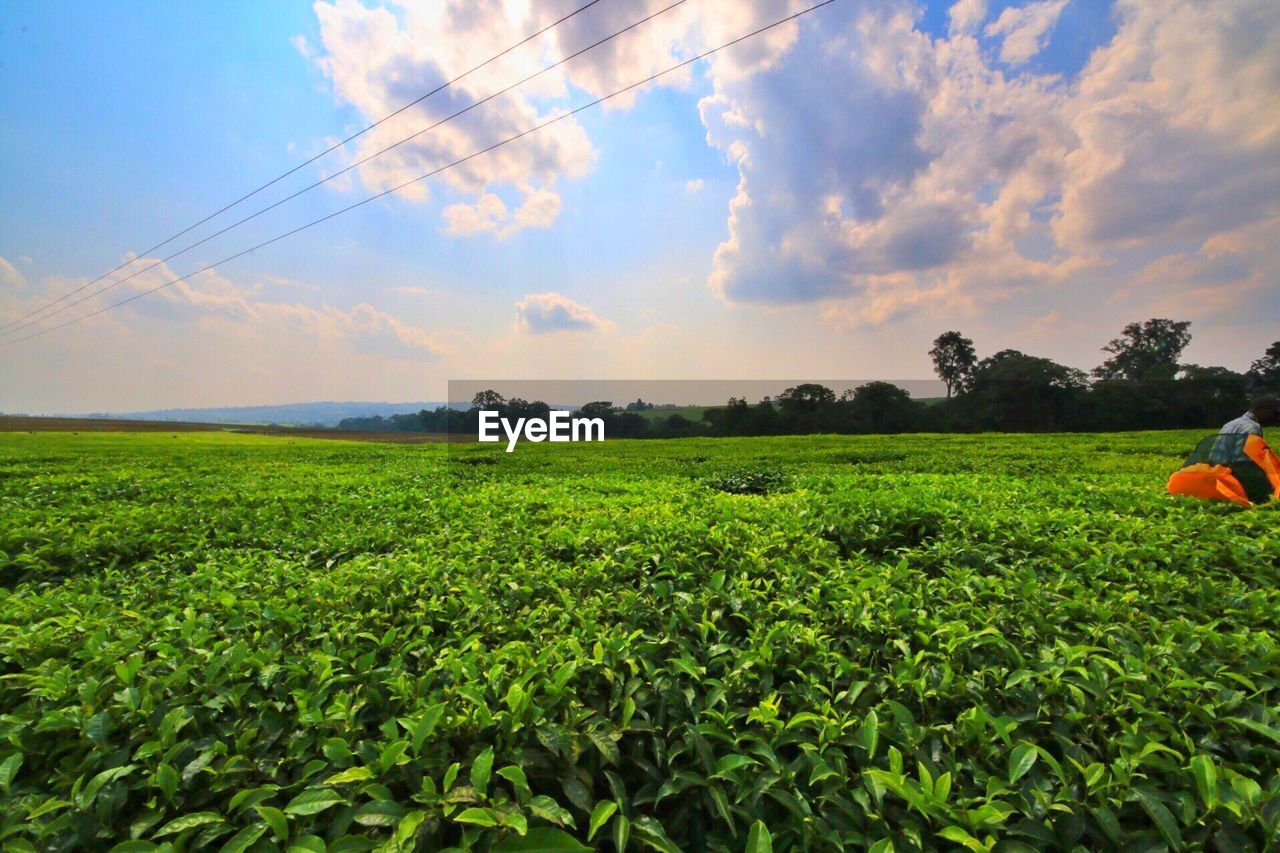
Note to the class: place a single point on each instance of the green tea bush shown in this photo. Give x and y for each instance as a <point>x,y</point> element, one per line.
<point>994,642</point>
<point>748,482</point>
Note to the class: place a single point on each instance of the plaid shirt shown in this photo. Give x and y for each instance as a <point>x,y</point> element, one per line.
<point>1246,424</point>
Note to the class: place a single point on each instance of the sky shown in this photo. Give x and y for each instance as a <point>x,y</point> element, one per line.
<point>821,200</point>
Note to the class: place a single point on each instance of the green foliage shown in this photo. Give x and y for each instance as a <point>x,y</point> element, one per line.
<point>953,360</point>
<point>1148,350</point>
<point>748,482</point>
<point>995,642</point>
<point>1264,374</point>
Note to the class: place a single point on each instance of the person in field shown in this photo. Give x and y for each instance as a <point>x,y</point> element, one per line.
<point>1263,412</point>
<point>1236,464</point>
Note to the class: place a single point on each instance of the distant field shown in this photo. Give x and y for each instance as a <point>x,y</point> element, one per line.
<point>13,423</point>
<point>10,423</point>
<point>248,642</point>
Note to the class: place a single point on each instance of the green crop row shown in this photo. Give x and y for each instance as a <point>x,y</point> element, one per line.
<point>981,642</point>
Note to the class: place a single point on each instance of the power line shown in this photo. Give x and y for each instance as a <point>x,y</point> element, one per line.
<point>19,325</point>
<point>328,150</point>
<point>430,174</point>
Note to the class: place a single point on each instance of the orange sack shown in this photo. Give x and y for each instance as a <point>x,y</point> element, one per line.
<point>1265,458</point>
<point>1237,468</point>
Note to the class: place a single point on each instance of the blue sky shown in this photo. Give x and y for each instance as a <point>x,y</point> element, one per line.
<point>822,202</point>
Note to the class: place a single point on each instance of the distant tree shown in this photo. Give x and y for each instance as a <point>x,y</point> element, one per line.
<point>1014,391</point>
<point>639,406</point>
<point>598,409</point>
<point>617,423</point>
<point>765,419</point>
<point>489,401</point>
<point>953,360</point>
<point>806,398</point>
<point>1147,350</point>
<point>735,418</point>
<point>518,408</point>
<point>627,425</point>
<point>881,407</point>
<point>991,361</point>
<point>1113,405</point>
<point>678,426</point>
<point>1209,396</point>
<point>1264,374</point>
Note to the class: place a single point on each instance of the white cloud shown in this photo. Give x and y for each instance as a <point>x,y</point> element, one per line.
<point>540,313</point>
<point>378,60</point>
<point>1025,29</point>
<point>373,331</point>
<point>694,186</point>
<point>489,214</point>
<point>539,210</point>
<point>210,304</point>
<point>977,184</point>
<point>966,15</point>
<point>463,220</point>
<point>903,199</point>
<point>9,275</point>
<point>1178,127</point>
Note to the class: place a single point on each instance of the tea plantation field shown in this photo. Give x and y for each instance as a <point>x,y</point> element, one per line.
<point>211,641</point>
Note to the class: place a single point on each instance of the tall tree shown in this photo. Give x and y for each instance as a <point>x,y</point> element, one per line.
<point>488,400</point>
<point>1147,350</point>
<point>1264,374</point>
<point>953,360</point>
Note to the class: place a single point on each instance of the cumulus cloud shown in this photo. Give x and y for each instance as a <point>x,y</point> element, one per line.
<point>1178,122</point>
<point>1025,29</point>
<point>926,173</point>
<point>540,313</point>
<point>378,61</point>
<point>902,197</point>
<point>489,214</point>
<point>932,178</point>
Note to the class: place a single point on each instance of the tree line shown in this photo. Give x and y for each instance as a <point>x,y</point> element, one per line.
<point>1141,384</point>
